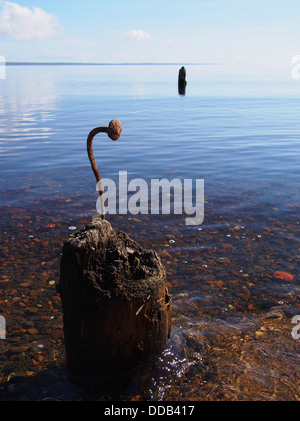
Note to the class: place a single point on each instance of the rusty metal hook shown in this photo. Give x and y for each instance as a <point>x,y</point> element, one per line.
<point>113,131</point>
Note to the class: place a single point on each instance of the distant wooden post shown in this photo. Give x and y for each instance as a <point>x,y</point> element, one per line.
<point>116,305</point>
<point>182,81</point>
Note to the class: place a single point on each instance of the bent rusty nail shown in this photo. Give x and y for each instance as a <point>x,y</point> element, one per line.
<point>113,131</point>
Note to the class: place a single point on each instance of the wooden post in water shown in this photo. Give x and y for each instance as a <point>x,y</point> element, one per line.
<point>116,304</point>
<point>182,81</point>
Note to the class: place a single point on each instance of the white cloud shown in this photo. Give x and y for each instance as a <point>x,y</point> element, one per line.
<point>138,34</point>
<point>24,24</point>
<point>263,29</point>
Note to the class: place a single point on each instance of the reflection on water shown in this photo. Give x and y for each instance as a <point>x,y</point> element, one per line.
<point>27,104</point>
<point>231,321</point>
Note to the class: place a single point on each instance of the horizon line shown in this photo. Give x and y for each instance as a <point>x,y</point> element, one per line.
<point>33,63</point>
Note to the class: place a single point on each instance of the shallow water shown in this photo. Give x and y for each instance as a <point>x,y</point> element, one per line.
<point>232,315</point>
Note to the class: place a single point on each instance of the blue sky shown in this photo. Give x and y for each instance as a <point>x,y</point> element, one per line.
<point>257,36</point>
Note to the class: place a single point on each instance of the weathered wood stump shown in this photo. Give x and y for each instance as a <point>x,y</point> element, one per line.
<point>182,81</point>
<point>116,305</point>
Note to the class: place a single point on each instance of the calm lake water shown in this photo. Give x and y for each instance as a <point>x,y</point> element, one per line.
<point>234,279</point>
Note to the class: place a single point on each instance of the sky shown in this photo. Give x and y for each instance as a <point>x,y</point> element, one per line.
<point>246,35</point>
